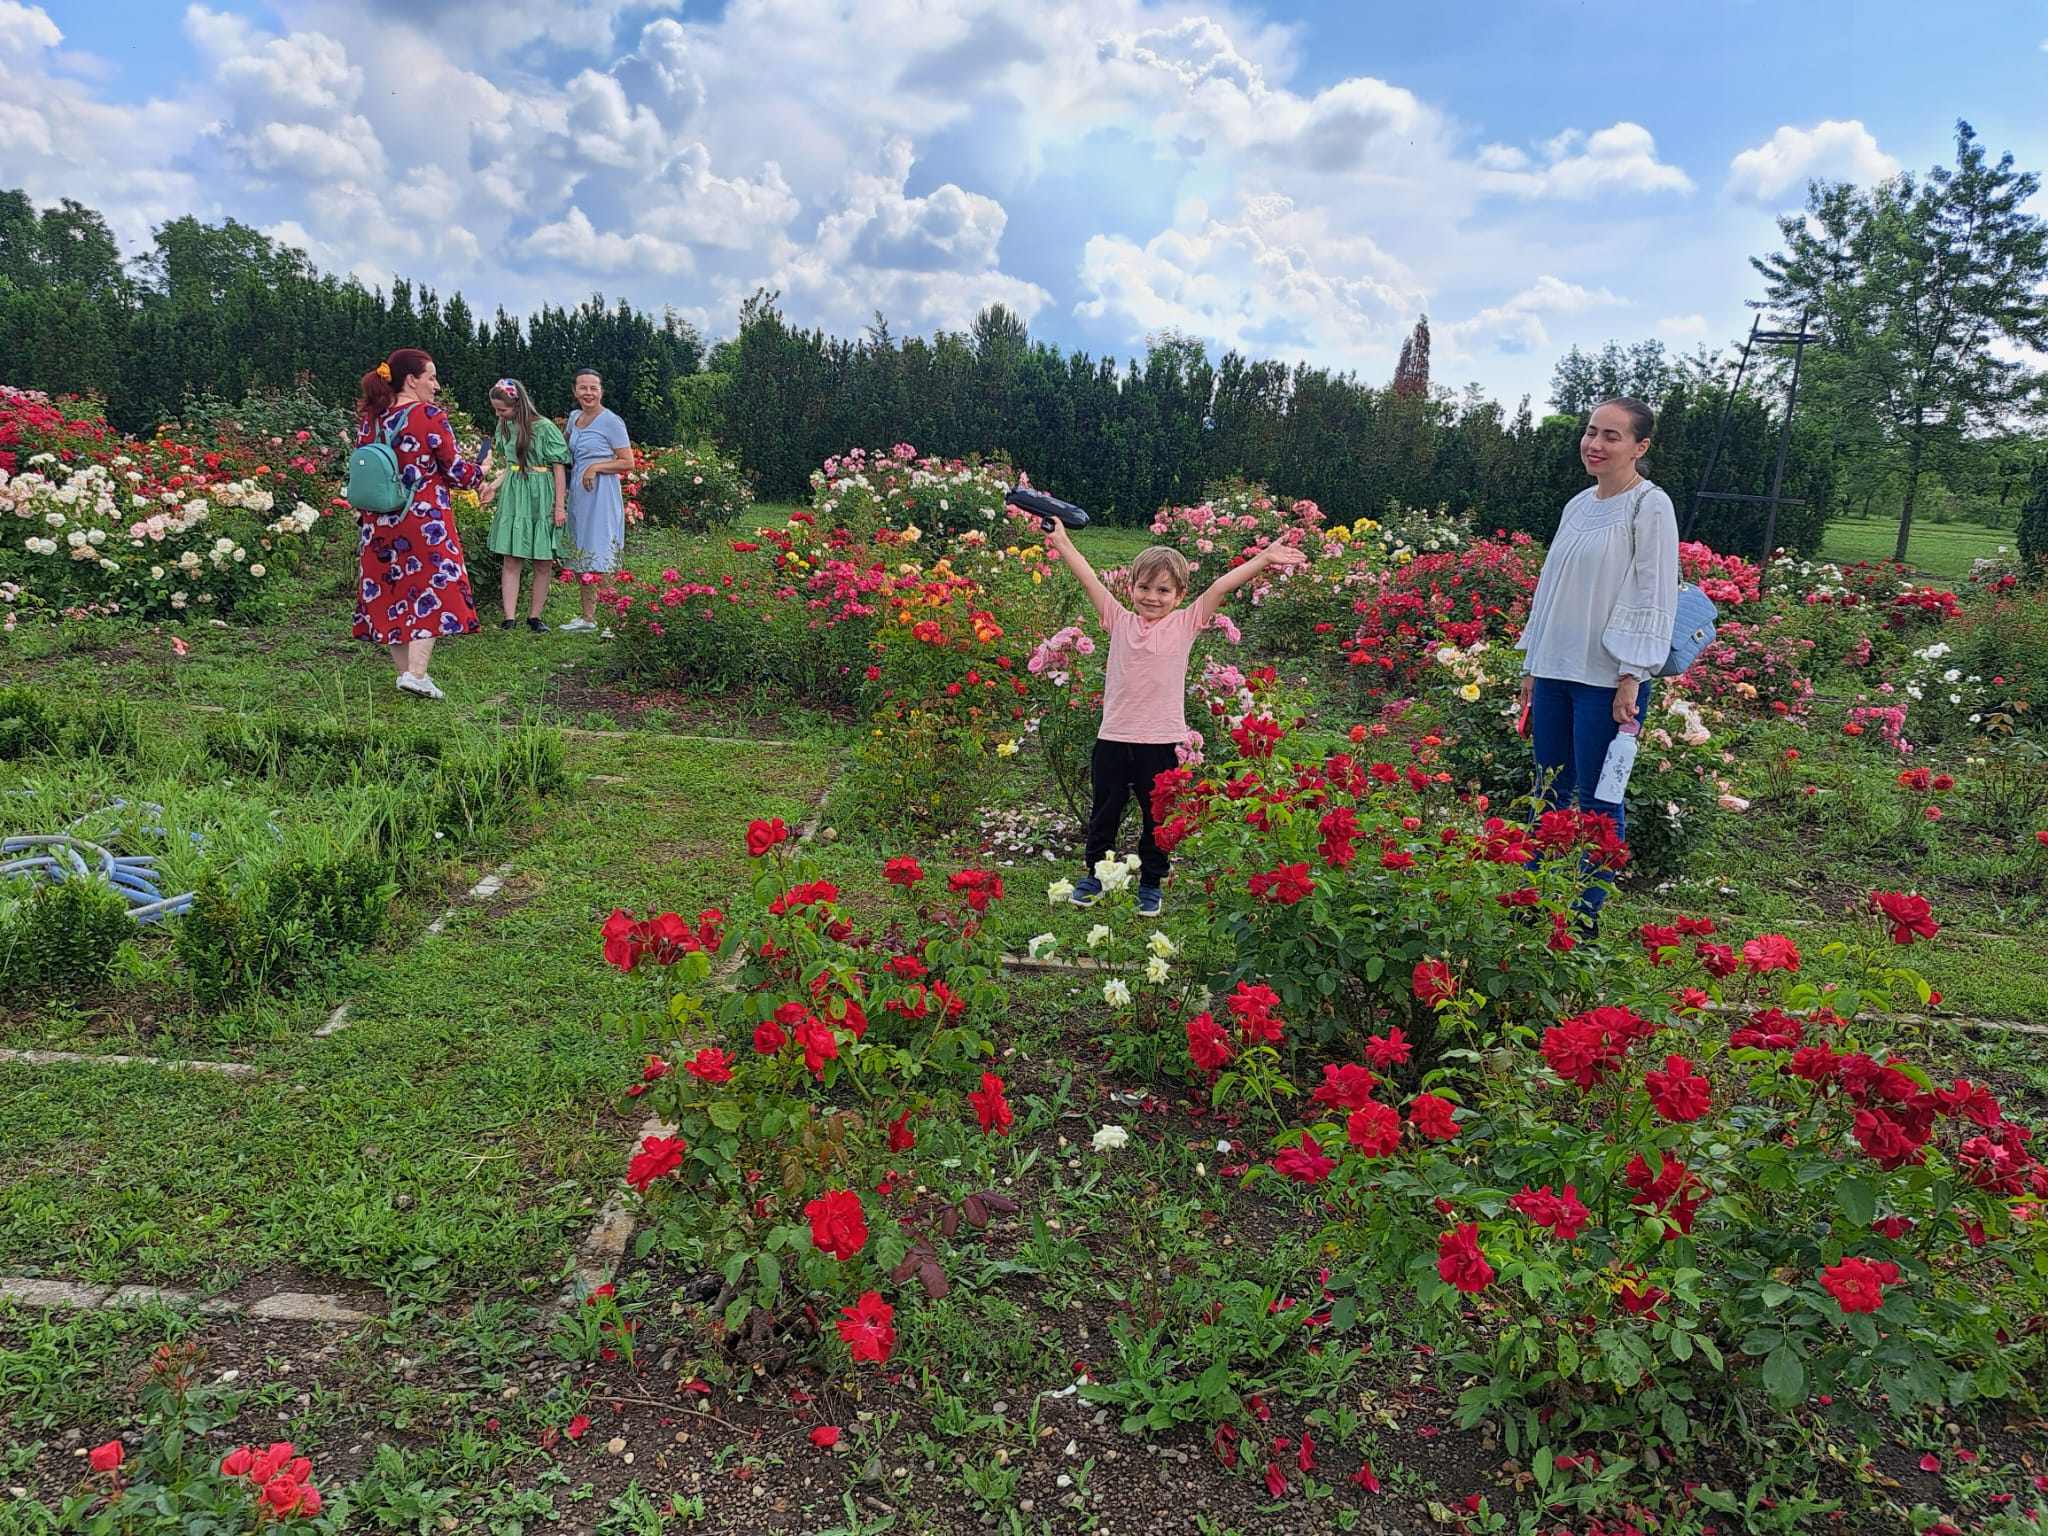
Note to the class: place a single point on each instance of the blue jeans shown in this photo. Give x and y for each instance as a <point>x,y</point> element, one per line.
<point>1571,725</point>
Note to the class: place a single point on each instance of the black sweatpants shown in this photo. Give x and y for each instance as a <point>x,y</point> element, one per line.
<point>1116,771</point>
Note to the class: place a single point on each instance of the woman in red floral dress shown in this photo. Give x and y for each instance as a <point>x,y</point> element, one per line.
<point>414,584</point>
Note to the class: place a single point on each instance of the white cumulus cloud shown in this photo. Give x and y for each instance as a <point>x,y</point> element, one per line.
<point>1516,324</point>
<point>1576,166</point>
<point>1275,279</point>
<point>1778,170</point>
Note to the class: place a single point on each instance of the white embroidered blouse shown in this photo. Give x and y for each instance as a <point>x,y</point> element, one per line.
<point>1607,597</point>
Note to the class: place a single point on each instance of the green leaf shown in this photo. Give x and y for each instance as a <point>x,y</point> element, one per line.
<point>1214,1380</point>
<point>1775,1294</point>
<point>1784,1376</point>
<point>1857,1200</point>
<point>770,1269</point>
<point>726,1115</point>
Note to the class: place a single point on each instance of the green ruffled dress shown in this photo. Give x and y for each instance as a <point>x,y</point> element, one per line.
<point>523,519</point>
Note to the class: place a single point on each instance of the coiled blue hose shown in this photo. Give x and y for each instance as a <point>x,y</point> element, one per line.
<point>60,857</point>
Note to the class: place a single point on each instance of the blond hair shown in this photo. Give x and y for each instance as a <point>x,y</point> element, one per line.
<point>1161,561</point>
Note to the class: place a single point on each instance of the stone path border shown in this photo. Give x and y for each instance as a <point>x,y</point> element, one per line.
<point>168,1063</point>
<point>576,734</point>
<point>284,1306</point>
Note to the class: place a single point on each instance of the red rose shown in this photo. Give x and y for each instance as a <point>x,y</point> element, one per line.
<point>710,1065</point>
<point>901,1137</point>
<point>1375,1130</point>
<point>105,1458</point>
<point>990,1107</point>
<point>1910,916</point>
<point>1771,952</point>
<point>1283,886</point>
<point>868,1328</point>
<point>903,871</point>
<point>1856,1283</point>
<point>1564,1214</point>
<point>1432,1116</point>
<point>768,1037</point>
<point>1718,959</point>
<point>1389,1050</point>
<point>838,1224</point>
<point>1208,1046</point>
<point>1345,1087</point>
<point>763,835</point>
<point>1305,1164</point>
<point>1459,1261</point>
<point>658,1155</point>
<point>1678,1092</point>
<point>1433,983</point>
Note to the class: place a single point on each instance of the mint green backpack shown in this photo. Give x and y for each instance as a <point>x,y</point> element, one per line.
<point>373,481</point>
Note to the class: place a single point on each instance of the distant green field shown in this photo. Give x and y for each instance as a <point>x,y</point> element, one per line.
<point>1939,549</point>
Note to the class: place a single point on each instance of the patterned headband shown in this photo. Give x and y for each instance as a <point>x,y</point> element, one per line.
<point>506,386</point>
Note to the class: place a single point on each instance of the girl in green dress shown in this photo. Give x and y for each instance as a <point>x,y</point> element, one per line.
<point>531,492</point>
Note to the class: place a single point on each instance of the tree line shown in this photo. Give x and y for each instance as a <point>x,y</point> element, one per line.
<point>221,309</point>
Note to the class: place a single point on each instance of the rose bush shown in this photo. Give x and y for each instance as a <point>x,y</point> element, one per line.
<point>1332,876</point>
<point>827,1117</point>
<point>90,521</point>
<point>1715,1180</point>
<point>693,489</point>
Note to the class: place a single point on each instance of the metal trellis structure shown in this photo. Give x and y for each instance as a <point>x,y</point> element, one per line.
<point>1798,339</point>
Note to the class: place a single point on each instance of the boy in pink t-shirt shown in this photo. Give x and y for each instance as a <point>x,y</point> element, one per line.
<point>1144,695</point>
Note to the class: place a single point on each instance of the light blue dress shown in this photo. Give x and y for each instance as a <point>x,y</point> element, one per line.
<point>596,534</point>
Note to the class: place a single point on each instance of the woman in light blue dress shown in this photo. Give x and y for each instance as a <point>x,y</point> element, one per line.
<point>600,452</point>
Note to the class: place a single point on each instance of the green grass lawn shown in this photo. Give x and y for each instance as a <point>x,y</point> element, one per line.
<point>1942,550</point>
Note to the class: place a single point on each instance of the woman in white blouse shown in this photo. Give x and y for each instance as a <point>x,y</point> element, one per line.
<point>1600,623</point>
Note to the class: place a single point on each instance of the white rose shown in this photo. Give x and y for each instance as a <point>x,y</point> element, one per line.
<point>1161,945</point>
<point>1097,934</point>
<point>1111,1138</point>
<point>1116,993</point>
<point>1059,891</point>
<point>1041,944</point>
<point>1157,970</point>
<point>257,570</point>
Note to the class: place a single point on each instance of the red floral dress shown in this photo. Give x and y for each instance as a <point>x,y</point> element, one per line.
<point>414,583</point>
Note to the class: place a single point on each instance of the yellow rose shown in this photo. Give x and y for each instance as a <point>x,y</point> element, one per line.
<point>1469,693</point>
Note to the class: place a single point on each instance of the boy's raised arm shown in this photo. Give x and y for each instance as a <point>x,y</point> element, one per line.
<point>1212,597</point>
<point>1098,595</point>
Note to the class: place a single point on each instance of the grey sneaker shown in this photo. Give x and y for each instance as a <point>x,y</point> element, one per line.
<point>577,625</point>
<point>1151,901</point>
<point>1087,891</point>
<point>423,685</point>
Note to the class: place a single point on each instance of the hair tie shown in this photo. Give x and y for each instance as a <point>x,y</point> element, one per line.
<point>384,372</point>
<point>506,386</point>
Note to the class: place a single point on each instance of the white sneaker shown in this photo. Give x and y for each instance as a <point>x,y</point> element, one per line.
<point>422,685</point>
<point>577,626</point>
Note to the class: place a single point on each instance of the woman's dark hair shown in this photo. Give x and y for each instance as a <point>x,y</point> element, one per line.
<point>1641,419</point>
<point>591,371</point>
<point>380,386</point>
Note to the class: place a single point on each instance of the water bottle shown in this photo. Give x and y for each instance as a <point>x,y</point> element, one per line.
<point>1621,761</point>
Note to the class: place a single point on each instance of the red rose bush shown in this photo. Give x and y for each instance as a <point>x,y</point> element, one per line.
<point>828,1107</point>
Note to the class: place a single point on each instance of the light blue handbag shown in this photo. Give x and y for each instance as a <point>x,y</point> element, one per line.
<point>1692,631</point>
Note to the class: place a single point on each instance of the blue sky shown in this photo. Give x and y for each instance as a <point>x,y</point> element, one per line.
<point>1292,179</point>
